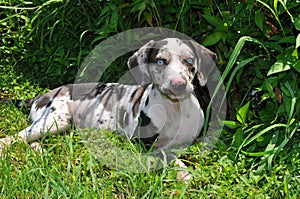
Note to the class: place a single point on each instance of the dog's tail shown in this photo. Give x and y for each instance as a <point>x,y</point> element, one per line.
<point>18,103</point>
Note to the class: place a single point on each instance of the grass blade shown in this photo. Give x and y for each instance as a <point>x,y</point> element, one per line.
<point>263,132</point>
<point>236,52</point>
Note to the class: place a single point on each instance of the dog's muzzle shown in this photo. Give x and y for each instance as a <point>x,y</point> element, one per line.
<point>178,84</point>
<point>176,88</point>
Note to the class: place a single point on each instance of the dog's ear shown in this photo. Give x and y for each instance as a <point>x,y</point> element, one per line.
<point>206,61</point>
<point>138,62</point>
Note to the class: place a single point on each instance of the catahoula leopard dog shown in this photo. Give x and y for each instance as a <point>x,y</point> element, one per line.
<point>164,102</point>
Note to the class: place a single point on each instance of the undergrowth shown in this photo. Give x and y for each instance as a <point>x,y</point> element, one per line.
<point>43,44</point>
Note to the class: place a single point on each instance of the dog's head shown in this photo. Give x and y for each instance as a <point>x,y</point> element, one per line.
<point>172,64</point>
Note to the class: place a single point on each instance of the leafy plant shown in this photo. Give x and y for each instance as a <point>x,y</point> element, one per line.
<point>43,43</point>
<point>267,129</point>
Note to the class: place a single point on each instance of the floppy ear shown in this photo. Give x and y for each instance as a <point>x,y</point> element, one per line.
<point>137,64</point>
<point>206,61</point>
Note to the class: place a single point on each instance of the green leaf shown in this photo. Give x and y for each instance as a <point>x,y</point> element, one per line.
<point>278,67</point>
<point>289,39</point>
<point>263,132</point>
<point>114,18</point>
<point>286,140</point>
<point>238,138</point>
<point>231,124</point>
<point>139,6</point>
<point>148,17</point>
<point>257,154</point>
<point>259,19</point>
<point>233,57</point>
<point>214,21</point>
<point>104,11</point>
<point>296,66</point>
<point>298,41</point>
<point>269,88</point>
<point>212,39</point>
<point>295,54</point>
<point>241,115</point>
<point>275,5</point>
<point>271,147</point>
<point>297,23</point>
<point>249,133</point>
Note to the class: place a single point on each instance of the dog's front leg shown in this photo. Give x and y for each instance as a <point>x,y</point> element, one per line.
<point>167,157</point>
<point>182,173</point>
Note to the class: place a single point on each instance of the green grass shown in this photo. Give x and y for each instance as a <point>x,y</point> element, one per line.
<point>44,42</point>
<point>67,169</point>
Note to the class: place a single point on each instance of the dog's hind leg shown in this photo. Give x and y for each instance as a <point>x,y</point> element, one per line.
<point>46,125</point>
<point>50,119</point>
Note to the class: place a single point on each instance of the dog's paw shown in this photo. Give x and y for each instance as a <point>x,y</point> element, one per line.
<point>36,146</point>
<point>7,141</point>
<point>184,176</point>
<point>4,142</point>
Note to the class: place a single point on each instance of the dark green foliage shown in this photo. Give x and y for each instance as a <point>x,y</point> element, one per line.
<point>257,42</point>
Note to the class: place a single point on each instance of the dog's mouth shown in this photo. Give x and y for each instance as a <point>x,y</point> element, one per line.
<point>174,94</point>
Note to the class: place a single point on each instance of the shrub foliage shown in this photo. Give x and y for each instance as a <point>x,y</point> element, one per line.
<point>256,41</point>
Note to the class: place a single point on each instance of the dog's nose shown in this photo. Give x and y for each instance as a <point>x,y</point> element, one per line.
<point>178,83</point>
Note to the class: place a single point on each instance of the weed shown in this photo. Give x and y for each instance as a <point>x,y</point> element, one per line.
<point>43,44</point>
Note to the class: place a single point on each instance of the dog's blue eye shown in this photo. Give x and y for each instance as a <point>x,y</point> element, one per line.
<point>190,61</point>
<point>160,62</point>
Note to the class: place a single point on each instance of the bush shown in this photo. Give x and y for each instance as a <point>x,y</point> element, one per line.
<point>257,42</point>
